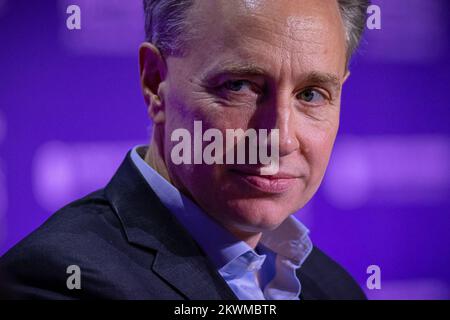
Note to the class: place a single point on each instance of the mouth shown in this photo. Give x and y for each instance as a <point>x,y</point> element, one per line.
<point>271,184</point>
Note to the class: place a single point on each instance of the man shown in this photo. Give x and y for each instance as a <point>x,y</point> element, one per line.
<point>162,229</point>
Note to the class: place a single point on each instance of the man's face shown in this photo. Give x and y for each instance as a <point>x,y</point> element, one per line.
<point>262,65</point>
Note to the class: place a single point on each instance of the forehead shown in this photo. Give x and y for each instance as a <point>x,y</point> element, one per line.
<point>303,31</point>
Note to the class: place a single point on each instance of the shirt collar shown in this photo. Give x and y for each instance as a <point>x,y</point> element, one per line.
<point>290,239</point>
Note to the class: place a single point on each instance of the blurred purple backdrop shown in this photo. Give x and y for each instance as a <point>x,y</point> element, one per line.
<point>70,107</point>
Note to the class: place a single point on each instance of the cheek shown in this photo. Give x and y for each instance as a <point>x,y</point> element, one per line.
<point>318,150</point>
<point>188,177</point>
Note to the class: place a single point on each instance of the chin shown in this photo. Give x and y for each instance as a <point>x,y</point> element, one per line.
<point>257,215</point>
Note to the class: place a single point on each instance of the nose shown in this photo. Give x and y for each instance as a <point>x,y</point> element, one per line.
<point>288,142</point>
<point>279,114</point>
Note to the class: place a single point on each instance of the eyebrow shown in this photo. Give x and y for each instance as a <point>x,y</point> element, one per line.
<point>234,69</point>
<point>315,77</point>
<point>320,78</point>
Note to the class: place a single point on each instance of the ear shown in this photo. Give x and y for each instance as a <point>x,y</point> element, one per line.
<point>152,69</point>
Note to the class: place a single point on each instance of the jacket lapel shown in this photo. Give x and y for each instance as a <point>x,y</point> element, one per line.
<point>148,224</point>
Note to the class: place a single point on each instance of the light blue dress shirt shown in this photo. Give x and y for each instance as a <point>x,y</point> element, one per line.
<point>266,273</point>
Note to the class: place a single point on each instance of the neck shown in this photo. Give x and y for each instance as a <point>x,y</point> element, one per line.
<point>155,155</point>
<point>252,239</point>
<point>156,162</point>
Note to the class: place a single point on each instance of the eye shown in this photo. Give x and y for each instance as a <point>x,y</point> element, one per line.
<point>312,96</point>
<point>236,85</point>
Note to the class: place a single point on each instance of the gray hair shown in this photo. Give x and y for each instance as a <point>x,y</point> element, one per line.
<point>165,22</point>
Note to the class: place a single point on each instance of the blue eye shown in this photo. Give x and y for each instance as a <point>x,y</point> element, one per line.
<point>311,96</point>
<point>235,85</point>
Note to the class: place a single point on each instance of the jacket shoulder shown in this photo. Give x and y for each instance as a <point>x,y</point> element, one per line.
<point>90,217</point>
<point>81,234</point>
<point>322,278</point>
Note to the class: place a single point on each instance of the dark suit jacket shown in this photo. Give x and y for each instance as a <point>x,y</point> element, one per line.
<point>129,246</point>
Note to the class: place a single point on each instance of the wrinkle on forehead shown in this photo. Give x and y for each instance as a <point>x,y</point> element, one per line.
<point>252,4</point>
<point>252,29</point>
<point>234,18</point>
<point>297,24</point>
<point>295,35</point>
<point>260,19</point>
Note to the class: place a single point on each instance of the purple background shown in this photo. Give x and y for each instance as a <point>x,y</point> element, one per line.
<point>70,107</point>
